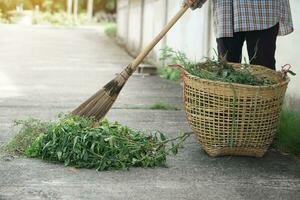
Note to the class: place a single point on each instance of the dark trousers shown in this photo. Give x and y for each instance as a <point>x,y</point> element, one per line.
<point>261,46</point>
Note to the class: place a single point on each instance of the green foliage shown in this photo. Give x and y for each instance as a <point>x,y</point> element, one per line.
<point>220,70</point>
<point>2,18</point>
<point>169,73</point>
<point>44,5</point>
<point>287,138</point>
<point>14,17</point>
<point>55,5</point>
<point>110,29</point>
<point>29,131</point>
<point>47,5</point>
<point>215,69</point>
<point>111,5</point>
<point>82,142</point>
<point>108,5</point>
<point>164,70</point>
<point>162,106</point>
<point>155,106</point>
<point>60,19</point>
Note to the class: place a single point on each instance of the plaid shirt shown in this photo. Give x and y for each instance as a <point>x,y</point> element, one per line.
<point>249,15</point>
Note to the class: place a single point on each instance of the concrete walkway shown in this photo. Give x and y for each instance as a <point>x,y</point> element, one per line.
<point>44,71</point>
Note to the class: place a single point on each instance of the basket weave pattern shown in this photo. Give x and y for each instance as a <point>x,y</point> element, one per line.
<point>234,119</point>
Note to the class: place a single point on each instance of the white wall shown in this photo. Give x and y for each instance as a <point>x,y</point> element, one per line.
<point>122,18</point>
<point>153,22</point>
<point>192,33</point>
<point>134,26</point>
<point>288,50</point>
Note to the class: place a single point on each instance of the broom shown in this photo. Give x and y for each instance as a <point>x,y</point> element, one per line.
<point>100,103</point>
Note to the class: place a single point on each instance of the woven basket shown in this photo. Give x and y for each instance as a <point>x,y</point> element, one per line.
<point>234,119</point>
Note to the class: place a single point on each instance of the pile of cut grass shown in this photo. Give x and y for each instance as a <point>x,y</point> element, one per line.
<point>85,143</point>
<point>215,69</point>
<point>28,131</point>
<point>219,70</point>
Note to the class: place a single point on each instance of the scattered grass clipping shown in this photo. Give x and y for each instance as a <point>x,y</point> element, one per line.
<point>287,138</point>
<point>162,106</point>
<point>29,130</point>
<point>85,143</point>
<point>156,106</point>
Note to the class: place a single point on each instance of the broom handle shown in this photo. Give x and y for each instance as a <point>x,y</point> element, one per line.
<point>146,51</point>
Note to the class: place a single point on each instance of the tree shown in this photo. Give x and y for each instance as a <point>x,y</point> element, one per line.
<point>76,9</point>
<point>69,7</point>
<point>90,6</point>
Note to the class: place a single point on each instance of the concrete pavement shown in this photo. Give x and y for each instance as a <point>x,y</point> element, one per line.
<point>44,71</point>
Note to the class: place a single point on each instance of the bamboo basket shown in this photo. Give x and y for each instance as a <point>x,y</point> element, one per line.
<point>234,119</point>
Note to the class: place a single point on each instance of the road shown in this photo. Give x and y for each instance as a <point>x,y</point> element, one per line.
<point>44,71</point>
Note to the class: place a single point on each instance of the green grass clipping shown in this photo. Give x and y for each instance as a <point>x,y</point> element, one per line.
<point>85,143</point>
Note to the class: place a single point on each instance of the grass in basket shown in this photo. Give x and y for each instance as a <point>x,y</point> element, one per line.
<point>214,69</point>
<point>85,143</point>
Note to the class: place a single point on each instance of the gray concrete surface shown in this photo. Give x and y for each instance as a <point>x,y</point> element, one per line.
<point>44,71</point>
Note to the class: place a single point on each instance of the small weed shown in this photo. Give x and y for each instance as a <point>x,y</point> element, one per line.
<point>110,29</point>
<point>162,106</point>
<point>156,106</point>
<point>287,138</point>
<point>164,70</point>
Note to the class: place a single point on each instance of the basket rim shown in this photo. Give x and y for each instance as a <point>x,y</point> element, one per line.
<point>284,82</point>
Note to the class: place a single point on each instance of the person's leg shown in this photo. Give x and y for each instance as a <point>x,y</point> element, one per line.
<point>230,48</point>
<point>261,46</point>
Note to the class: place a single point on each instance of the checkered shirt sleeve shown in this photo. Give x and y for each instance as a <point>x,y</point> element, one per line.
<point>249,15</point>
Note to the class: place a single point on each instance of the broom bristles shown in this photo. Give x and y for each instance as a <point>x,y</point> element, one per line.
<point>101,102</point>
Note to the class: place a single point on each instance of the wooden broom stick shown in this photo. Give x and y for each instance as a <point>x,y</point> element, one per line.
<point>100,103</point>
<point>165,30</point>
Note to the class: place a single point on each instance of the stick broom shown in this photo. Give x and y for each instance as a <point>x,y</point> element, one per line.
<point>100,103</point>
